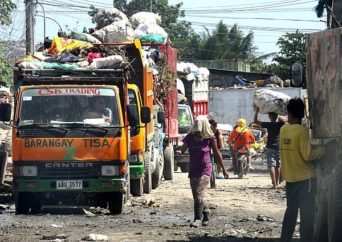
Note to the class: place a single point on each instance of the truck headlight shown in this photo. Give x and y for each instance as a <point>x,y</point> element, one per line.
<point>29,171</point>
<point>108,170</point>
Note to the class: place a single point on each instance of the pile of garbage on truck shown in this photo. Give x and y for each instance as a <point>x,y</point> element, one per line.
<point>80,50</point>
<point>190,72</point>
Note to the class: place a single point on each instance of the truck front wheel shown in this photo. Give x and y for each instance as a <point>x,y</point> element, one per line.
<point>22,205</point>
<point>169,162</point>
<point>137,187</point>
<point>116,202</point>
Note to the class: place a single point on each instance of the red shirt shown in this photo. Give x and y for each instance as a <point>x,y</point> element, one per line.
<point>241,139</point>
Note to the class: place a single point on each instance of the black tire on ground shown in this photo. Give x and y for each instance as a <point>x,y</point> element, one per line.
<point>115,202</point>
<point>184,167</point>
<point>22,205</point>
<point>240,170</point>
<point>137,187</point>
<point>335,206</point>
<point>156,176</point>
<point>169,163</point>
<point>36,207</point>
<point>148,174</point>
<point>213,177</point>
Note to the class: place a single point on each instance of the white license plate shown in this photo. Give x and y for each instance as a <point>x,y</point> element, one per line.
<point>69,185</point>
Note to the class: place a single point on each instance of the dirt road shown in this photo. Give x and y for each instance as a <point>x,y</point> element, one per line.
<point>242,210</point>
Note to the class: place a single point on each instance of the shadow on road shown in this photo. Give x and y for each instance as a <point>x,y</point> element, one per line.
<point>229,239</point>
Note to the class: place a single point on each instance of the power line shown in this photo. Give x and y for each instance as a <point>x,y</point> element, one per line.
<point>255,18</point>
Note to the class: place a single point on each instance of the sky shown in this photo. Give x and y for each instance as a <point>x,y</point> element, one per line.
<point>268,19</point>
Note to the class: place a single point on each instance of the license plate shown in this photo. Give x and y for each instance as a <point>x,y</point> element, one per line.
<point>69,185</point>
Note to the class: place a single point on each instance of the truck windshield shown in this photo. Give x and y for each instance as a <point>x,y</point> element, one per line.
<point>67,106</point>
<point>184,120</point>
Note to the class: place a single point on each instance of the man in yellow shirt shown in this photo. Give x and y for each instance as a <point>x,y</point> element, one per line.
<point>296,152</point>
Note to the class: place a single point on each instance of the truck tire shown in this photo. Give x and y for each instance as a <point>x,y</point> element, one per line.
<point>116,202</point>
<point>335,207</point>
<point>22,205</point>
<point>148,174</point>
<point>156,175</point>
<point>169,163</point>
<point>137,187</point>
<point>184,167</point>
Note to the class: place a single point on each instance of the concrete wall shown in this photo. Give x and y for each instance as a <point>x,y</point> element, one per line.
<point>228,105</point>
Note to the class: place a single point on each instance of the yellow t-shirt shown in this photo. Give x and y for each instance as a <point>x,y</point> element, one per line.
<point>296,152</point>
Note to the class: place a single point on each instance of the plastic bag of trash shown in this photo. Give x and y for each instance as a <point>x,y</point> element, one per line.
<point>187,67</point>
<point>203,73</point>
<point>65,56</point>
<point>107,17</point>
<point>271,101</point>
<point>36,65</point>
<point>59,66</point>
<point>61,44</point>
<point>152,38</point>
<point>144,29</point>
<point>120,31</point>
<point>106,61</point>
<point>84,37</point>
<point>145,18</point>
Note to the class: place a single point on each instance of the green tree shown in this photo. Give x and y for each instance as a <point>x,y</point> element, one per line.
<point>225,44</point>
<point>292,48</point>
<point>5,69</point>
<point>6,8</point>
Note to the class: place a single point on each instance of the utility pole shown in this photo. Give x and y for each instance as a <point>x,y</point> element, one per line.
<point>151,6</point>
<point>29,26</point>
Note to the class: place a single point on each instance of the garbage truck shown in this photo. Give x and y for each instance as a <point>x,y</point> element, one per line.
<point>71,136</point>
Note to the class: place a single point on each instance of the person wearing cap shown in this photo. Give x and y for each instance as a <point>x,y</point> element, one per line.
<point>218,139</point>
<point>200,141</point>
<point>241,137</point>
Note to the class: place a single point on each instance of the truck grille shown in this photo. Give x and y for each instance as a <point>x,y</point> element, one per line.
<point>55,172</point>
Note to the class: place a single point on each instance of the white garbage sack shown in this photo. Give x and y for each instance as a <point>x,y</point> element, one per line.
<point>36,65</point>
<point>203,74</point>
<point>271,101</point>
<point>187,67</point>
<point>109,61</point>
<point>145,18</point>
<point>144,29</point>
<point>108,16</point>
<point>117,32</point>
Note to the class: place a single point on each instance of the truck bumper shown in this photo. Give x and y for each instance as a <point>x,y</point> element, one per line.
<point>88,185</point>
<point>136,170</point>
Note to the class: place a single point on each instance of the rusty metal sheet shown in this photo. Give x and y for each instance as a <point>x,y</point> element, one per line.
<point>324,79</point>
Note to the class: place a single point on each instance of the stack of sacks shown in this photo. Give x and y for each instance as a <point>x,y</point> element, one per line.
<point>271,101</point>
<point>192,72</point>
<point>113,26</point>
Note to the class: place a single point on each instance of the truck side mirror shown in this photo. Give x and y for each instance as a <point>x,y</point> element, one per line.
<point>132,114</point>
<point>161,117</point>
<point>145,114</point>
<point>297,74</point>
<point>5,112</point>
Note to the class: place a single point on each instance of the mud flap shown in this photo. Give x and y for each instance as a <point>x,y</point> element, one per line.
<point>3,161</point>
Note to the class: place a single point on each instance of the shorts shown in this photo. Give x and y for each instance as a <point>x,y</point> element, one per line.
<point>272,157</point>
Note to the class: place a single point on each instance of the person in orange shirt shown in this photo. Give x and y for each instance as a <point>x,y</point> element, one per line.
<point>241,136</point>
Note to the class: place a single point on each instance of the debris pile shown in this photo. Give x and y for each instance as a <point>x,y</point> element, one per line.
<point>82,50</point>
